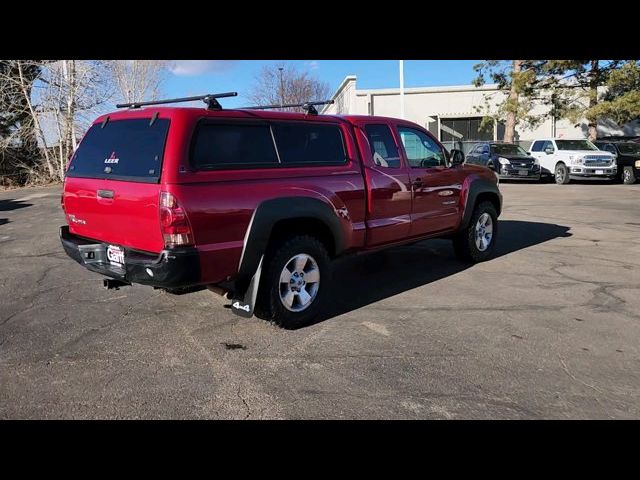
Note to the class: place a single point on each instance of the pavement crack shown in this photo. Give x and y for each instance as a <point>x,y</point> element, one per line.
<point>244,402</point>
<point>30,307</point>
<point>571,375</point>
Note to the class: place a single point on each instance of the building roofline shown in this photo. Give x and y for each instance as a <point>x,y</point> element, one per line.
<point>343,84</point>
<point>341,87</point>
<point>396,91</point>
<point>435,89</point>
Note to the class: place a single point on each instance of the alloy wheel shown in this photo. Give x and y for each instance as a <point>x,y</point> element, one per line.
<point>299,282</point>
<point>484,232</point>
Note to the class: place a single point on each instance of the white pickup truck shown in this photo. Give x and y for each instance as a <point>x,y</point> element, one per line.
<point>568,159</point>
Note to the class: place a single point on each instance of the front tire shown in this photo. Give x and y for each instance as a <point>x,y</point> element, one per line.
<point>296,280</point>
<point>476,242</point>
<point>562,174</point>
<point>628,176</point>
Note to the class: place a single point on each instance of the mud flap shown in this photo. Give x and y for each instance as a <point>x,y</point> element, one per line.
<point>244,307</point>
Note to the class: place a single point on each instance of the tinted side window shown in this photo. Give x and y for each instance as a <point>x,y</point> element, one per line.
<point>422,151</point>
<point>537,146</point>
<point>385,152</point>
<point>306,143</point>
<point>232,146</point>
<point>547,144</point>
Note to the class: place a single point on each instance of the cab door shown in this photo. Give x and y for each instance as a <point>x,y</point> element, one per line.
<point>388,184</point>
<point>435,186</point>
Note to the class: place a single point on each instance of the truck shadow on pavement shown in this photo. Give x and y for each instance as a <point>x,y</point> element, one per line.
<point>361,280</point>
<point>8,205</point>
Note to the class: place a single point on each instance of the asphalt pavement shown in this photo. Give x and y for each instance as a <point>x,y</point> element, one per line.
<point>550,328</point>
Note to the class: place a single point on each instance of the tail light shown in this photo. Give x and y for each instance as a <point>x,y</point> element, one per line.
<point>176,230</point>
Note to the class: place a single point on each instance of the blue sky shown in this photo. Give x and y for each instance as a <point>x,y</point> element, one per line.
<point>195,77</point>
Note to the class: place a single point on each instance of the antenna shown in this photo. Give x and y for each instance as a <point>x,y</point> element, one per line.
<point>210,99</point>
<point>308,107</point>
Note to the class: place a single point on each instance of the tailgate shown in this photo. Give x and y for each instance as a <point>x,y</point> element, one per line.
<point>117,212</point>
<point>111,190</point>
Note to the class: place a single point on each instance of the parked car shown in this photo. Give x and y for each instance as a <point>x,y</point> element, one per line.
<point>568,159</point>
<point>627,158</point>
<point>620,138</point>
<point>509,161</point>
<point>257,203</point>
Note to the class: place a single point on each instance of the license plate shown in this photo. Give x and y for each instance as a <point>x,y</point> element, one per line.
<point>523,173</point>
<point>599,172</point>
<point>115,255</point>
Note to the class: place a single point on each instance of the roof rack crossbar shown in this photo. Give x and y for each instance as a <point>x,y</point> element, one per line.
<point>308,107</point>
<point>209,99</point>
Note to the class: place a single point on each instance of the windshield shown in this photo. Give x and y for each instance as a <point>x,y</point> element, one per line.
<point>508,149</point>
<point>121,150</point>
<point>629,148</point>
<point>575,145</point>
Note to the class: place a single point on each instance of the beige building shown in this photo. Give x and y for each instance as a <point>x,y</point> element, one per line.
<point>454,113</point>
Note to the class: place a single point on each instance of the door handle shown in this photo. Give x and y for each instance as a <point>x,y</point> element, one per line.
<point>105,193</point>
<point>417,183</point>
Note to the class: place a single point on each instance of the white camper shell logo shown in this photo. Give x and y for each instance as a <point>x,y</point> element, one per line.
<point>112,158</point>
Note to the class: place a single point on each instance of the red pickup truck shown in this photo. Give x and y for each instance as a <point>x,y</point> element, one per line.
<point>255,204</point>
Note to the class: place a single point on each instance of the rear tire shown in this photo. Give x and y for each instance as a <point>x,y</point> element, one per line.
<point>297,302</point>
<point>628,176</point>
<point>467,244</point>
<point>562,174</point>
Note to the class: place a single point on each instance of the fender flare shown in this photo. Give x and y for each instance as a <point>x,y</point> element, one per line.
<point>268,213</point>
<point>477,187</point>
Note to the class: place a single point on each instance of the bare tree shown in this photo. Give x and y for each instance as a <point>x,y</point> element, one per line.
<point>284,84</point>
<point>70,95</point>
<point>137,80</point>
<point>18,144</point>
<point>57,106</point>
<point>16,80</point>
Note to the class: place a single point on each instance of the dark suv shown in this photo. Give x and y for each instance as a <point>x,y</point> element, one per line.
<point>627,157</point>
<point>256,204</point>
<point>508,160</point>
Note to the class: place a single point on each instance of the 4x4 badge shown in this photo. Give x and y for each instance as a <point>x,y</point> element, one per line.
<point>239,306</point>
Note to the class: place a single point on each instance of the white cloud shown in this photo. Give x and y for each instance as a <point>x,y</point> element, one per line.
<point>313,65</point>
<point>198,67</point>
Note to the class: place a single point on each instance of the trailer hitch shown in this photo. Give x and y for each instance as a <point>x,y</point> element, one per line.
<point>111,284</point>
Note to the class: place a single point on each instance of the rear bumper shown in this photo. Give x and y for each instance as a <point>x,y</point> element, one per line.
<point>174,268</point>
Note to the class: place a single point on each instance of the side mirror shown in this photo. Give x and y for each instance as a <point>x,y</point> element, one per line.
<point>457,157</point>
<point>548,150</point>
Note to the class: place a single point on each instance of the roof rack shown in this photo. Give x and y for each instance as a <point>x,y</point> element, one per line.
<point>209,99</point>
<point>308,107</point>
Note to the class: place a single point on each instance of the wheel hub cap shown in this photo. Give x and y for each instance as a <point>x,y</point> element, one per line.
<point>484,232</point>
<point>299,282</point>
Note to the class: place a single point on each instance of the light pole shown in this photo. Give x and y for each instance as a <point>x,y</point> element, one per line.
<point>281,88</point>
<point>402,89</point>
